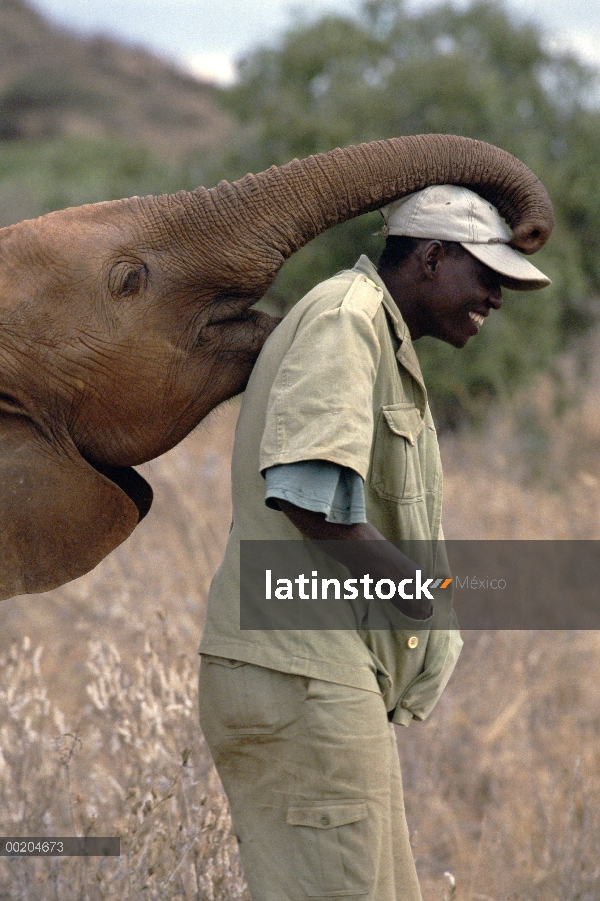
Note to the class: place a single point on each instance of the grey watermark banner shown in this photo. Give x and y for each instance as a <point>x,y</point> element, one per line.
<point>70,846</point>
<point>379,585</point>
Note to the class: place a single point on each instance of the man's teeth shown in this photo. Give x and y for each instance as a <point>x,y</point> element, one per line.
<point>477,318</point>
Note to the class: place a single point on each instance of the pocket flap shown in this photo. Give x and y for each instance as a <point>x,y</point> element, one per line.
<point>223,661</point>
<point>326,816</point>
<point>404,421</point>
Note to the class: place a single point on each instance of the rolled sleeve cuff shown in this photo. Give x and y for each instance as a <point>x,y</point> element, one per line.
<point>318,485</point>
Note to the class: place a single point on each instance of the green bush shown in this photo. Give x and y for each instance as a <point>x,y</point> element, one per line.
<point>44,91</point>
<point>38,177</point>
<point>70,171</point>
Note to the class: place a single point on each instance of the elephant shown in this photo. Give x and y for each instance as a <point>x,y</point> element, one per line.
<point>123,323</point>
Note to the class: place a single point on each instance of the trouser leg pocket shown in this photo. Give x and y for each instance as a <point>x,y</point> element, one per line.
<point>331,849</point>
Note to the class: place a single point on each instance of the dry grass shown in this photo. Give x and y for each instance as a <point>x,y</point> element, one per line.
<point>99,735</point>
<point>503,783</point>
<point>530,475</point>
<point>133,765</point>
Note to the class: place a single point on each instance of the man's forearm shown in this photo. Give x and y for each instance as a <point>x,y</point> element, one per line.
<point>369,552</point>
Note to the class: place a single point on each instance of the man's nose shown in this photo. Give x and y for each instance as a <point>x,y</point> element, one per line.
<point>495,298</point>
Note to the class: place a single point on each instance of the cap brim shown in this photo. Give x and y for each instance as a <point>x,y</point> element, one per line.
<point>517,273</point>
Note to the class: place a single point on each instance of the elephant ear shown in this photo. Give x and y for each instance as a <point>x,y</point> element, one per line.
<point>59,516</point>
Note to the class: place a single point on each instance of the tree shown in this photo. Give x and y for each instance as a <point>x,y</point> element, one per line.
<point>478,72</point>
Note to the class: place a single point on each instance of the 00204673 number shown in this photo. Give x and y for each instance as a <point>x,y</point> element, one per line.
<point>20,846</point>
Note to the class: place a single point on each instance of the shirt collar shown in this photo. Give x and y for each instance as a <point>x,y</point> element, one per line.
<point>366,268</point>
<point>405,354</point>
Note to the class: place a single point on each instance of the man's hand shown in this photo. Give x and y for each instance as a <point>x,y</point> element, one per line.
<point>376,556</point>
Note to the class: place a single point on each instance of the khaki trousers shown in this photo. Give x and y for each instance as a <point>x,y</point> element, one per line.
<point>312,775</point>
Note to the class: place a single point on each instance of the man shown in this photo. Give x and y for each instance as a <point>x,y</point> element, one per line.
<point>335,441</point>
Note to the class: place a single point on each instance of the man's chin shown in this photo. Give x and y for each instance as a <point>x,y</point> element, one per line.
<point>457,341</point>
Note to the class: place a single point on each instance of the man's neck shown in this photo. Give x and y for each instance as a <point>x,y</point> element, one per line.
<point>401,286</point>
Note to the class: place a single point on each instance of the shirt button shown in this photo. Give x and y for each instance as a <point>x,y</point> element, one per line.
<point>413,641</point>
<point>325,821</point>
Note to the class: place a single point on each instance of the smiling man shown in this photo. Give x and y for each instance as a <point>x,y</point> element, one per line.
<point>454,227</point>
<point>335,440</point>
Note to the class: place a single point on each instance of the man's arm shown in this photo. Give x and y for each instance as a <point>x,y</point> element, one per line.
<point>369,552</point>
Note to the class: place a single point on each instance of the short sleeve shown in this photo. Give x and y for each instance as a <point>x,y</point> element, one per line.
<point>320,486</point>
<point>321,402</point>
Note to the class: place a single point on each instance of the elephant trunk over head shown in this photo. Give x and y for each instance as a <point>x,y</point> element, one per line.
<point>269,216</point>
<point>123,324</point>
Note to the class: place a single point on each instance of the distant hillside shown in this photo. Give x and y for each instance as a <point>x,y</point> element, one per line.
<point>55,83</point>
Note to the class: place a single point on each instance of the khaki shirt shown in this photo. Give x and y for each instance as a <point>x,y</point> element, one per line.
<point>339,380</point>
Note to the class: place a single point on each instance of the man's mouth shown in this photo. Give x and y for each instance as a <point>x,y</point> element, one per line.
<point>477,318</point>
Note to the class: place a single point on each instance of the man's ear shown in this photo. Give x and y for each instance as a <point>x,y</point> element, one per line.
<point>59,517</point>
<point>431,254</point>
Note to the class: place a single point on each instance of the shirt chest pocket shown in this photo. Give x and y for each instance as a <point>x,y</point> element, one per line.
<point>396,467</point>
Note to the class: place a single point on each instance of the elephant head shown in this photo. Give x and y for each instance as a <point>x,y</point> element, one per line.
<point>122,324</point>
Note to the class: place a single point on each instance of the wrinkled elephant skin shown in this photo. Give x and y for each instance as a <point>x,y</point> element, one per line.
<point>123,324</point>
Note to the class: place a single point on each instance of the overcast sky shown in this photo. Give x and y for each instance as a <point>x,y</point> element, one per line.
<point>207,35</point>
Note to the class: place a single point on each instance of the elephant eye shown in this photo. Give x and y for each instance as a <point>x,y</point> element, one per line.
<point>9,404</point>
<point>127,279</point>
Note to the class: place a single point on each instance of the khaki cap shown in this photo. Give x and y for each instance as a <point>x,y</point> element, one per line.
<point>453,213</point>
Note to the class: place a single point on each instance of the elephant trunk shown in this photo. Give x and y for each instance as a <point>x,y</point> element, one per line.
<point>262,219</point>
